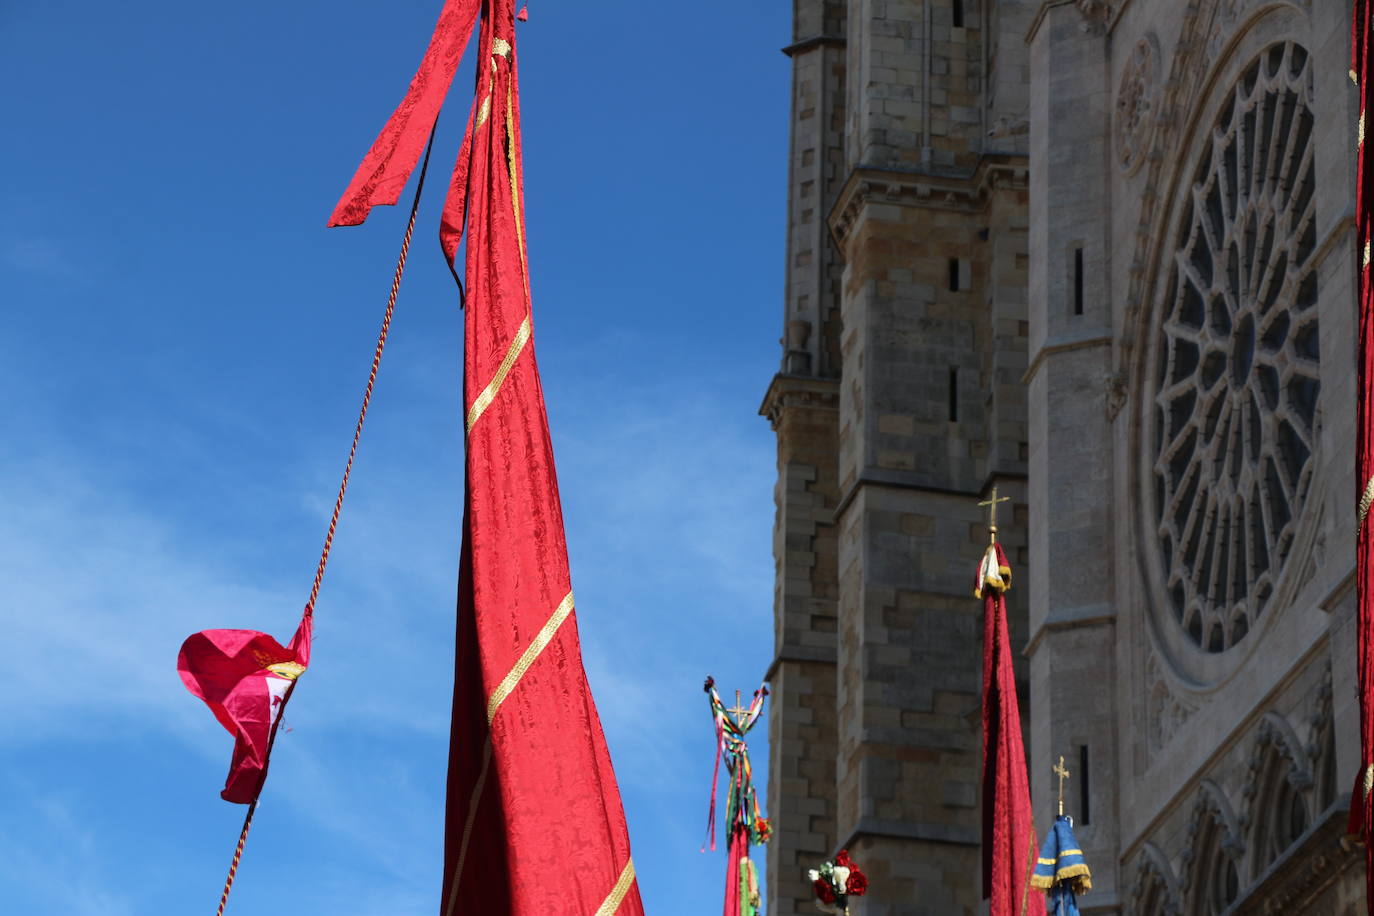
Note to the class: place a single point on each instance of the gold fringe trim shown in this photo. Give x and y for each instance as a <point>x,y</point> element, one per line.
<point>1078,876</point>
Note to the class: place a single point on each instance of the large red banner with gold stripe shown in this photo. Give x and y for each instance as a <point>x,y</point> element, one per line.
<point>1362,804</point>
<point>1009,844</point>
<point>534,819</point>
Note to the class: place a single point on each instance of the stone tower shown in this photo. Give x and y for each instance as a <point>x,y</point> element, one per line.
<point>898,405</point>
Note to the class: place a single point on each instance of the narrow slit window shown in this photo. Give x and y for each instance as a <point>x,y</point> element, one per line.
<point>954,275</point>
<point>958,14</point>
<point>1083,812</point>
<point>953,394</point>
<point>1078,281</point>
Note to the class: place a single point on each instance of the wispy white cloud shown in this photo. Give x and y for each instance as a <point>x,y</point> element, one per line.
<point>37,255</point>
<point>100,596</point>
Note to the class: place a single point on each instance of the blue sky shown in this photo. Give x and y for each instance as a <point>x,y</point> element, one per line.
<point>183,351</point>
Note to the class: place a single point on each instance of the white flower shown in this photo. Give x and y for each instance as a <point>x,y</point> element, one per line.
<point>840,877</point>
<point>814,875</point>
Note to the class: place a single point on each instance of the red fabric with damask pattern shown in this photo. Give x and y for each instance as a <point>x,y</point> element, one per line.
<point>534,823</point>
<point>385,170</point>
<point>1362,806</point>
<point>1009,844</point>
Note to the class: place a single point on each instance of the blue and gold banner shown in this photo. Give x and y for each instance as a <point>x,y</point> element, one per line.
<point>1061,871</point>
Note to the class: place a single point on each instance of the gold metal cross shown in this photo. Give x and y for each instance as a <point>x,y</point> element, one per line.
<point>1063,774</point>
<point>992,512</point>
<point>738,712</point>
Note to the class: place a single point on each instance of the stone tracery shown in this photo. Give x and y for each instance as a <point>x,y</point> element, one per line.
<point>1136,101</point>
<point>1235,412</point>
<point>1276,790</point>
<point>1211,877</point>
<point>1155,890</point>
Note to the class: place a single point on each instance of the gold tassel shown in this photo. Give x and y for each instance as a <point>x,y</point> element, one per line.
<point>991,574</point>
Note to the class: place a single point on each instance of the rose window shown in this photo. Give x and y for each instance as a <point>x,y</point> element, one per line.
<point>1235,414</point>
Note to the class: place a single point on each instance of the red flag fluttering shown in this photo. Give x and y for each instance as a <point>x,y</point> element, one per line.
<point>534,823</point>
<point>1009,845</point>
<point>1362,799</point>
<point>244,677</point>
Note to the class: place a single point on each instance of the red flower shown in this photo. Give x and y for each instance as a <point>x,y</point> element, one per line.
<point>843,859</point>
<point>824,891</point>
<point>857,885</point>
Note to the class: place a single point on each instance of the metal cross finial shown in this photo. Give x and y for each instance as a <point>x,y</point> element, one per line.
<point>992,513</point>
<point>738,712</point>
<point>1063,774</point>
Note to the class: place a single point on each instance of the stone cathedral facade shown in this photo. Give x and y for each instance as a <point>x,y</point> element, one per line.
<point>1100,255</point>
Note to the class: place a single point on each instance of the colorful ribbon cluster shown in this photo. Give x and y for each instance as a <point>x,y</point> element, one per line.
<point>745,823</point>
<point>742,806</point>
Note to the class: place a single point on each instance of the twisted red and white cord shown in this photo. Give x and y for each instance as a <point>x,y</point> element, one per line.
<point>338,500</point>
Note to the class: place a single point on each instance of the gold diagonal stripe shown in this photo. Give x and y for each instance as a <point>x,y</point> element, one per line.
<point>1366,253</point>
<point>479,406</point>
<point>1366,499</point>
<point>540,643</point>
<point>617,894</point>
<point>1030,868</point>
<point>467,827</point>
<point>484,112</point>
<point>511,167</point>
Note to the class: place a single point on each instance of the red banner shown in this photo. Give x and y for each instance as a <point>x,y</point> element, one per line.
<point>1009,845</point>
<point>385,170</point>
<point>1362,806</point>
<point>534,819</point>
